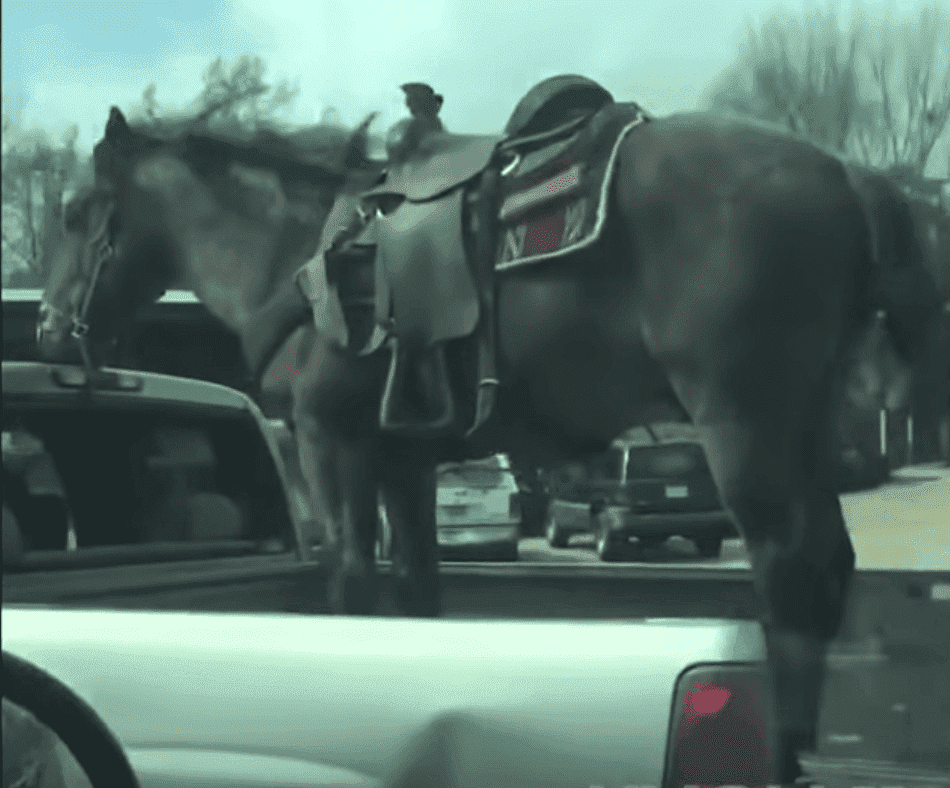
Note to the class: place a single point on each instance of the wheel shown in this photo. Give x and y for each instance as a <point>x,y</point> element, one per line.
<point>555,535</point>
<point>709,546</point>
<point>609,546</point>
<point>75,722</point>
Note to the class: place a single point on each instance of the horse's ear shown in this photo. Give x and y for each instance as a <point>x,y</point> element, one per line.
<point>117,128</point>
<point>356,155</point>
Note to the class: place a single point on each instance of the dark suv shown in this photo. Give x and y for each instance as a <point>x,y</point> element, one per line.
<point>643,487</point>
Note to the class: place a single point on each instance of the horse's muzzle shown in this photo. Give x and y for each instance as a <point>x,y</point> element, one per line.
<point>53,338</point>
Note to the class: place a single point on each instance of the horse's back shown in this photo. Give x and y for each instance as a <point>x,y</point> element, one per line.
<point>740,235</point>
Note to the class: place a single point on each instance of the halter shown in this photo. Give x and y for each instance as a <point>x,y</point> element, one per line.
<point>80,327</point>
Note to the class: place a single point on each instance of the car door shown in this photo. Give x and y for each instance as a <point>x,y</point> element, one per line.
<point>146,507</point>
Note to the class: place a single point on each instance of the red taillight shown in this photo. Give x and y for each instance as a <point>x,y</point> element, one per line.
<point>720,733</point>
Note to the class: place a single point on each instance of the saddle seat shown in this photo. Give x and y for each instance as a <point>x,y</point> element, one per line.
<point>442,162</point>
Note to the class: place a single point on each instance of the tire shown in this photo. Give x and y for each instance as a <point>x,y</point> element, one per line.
<point>609,547</point>
<point>709,546</point>
<point>556,536</point>
<point>73,721</point>
<point>651,542</point>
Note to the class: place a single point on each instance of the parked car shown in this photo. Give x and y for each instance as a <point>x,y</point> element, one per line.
<point>645,487</point>
<point>478,510</point>
<point>179,478</point>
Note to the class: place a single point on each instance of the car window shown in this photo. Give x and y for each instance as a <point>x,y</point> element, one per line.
<point>78,480</point>
<point>607,467</point>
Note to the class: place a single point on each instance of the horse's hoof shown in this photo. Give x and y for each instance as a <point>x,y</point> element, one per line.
<point>412,602</point>
<point>353,594</point>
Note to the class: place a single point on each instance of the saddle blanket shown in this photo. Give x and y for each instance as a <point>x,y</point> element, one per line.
<point>555,199</point>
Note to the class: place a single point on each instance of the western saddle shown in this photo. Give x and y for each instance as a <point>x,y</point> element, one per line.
<point>433,230</point>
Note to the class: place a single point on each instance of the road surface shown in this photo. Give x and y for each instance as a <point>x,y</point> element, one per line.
<point>904,524</point>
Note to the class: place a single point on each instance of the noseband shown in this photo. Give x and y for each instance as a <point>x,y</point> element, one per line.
<point>105,251</point>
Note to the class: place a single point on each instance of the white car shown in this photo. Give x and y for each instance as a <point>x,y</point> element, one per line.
<point>478,511</point>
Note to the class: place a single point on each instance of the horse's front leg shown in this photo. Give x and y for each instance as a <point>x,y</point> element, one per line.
<point>337,459</point>
<point>408,483</point>
<point>340,473</point>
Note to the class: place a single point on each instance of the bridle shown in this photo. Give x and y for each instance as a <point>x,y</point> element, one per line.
<point>104,252</point>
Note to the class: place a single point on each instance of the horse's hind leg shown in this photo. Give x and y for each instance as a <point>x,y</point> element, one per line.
<point>773,465</point>
<point>407,477</point>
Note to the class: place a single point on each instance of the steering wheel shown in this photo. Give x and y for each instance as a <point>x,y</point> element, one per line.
<point>76,723</point>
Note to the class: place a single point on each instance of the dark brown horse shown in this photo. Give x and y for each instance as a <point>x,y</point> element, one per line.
<point>734,273</point>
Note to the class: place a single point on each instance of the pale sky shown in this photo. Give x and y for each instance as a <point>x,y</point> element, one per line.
<point>67,61</point>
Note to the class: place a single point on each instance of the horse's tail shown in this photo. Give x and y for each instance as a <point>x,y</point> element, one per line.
<point>899,282</point>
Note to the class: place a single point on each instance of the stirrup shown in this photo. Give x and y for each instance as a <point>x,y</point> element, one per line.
<point>484,403</point>
<point>397,373</point>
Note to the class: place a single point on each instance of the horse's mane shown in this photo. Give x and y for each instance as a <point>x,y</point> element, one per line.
<point>319,154</point>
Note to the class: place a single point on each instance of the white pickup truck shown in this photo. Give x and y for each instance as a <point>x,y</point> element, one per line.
<point>193,649</point>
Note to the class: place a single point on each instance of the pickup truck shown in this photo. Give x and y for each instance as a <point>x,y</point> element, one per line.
<point>570,697</point>
<point>208,652</point>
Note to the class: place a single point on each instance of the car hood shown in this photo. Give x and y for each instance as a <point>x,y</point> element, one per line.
<point>556,703</point>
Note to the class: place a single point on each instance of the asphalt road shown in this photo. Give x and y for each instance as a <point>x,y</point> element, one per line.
<point>904,524</point>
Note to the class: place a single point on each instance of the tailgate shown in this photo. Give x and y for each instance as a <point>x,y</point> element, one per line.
<point>851,772</point>
<point>886,706</point>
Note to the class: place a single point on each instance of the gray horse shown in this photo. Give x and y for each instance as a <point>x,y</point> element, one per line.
<point>733,271</point>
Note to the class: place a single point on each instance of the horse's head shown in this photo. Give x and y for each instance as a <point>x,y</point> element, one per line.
<point>175,208</point>
<point>106,260</point>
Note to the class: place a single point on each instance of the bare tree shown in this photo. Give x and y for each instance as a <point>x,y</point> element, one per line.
<point>36,173</point>
<point>910,83</point>
<point>877,94</point>
<point>236,99</point>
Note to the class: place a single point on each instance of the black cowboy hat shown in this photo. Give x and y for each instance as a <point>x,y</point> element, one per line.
<point>422,96</point>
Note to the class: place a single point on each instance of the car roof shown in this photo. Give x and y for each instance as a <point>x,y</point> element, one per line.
<point>495,462</point>
<point>35,378</point>
<point>664,432</point>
